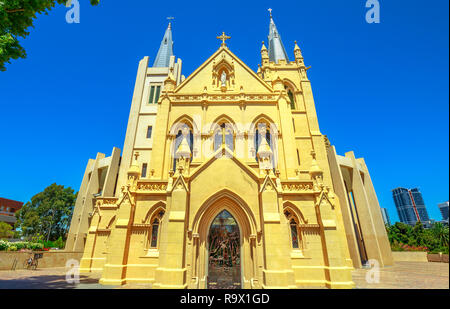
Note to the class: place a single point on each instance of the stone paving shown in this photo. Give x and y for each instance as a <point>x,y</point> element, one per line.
<point>403,275</point>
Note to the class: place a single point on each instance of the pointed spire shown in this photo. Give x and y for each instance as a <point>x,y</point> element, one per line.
<point>263,48</point>
<point>165,50</point>
<point>276,47</point>
<point>297,52</point>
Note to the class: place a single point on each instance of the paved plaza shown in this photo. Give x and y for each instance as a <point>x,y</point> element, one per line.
<point>403,275</point>
<point>406,275</point>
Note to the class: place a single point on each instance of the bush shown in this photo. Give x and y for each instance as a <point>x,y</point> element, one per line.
<point>4,245</point>
<point>59,243</point>
<point>406,238</point>
<point>17,246</point>
<point>36,246</point>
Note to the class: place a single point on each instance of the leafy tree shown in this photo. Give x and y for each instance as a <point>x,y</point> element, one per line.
<point>16,16</point>
<point>48,213</point>
<point>436,239</point>
<point>5,230</point>
<point>440,233</point>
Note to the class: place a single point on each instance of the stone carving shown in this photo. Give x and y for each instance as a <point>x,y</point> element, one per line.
<point>152,187</point>
<point>292,187</point>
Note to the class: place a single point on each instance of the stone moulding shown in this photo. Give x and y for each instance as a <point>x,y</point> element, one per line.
<point>151,187</point>
<point>224,98</point>
<point>106,201</point>
<point>298,187</point>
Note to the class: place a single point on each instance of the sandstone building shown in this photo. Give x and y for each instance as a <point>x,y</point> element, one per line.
<point>226,180</point>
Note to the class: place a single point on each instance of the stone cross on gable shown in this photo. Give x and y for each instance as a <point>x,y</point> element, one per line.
<point>223,37</point>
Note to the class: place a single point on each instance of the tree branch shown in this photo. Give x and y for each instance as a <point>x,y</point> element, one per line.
<point>15,11</point>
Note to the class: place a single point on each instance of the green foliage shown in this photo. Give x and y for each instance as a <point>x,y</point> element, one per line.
<point>17,246</point>
<point>59,243</point>
<point>5,230</point>
<point>406,238</point>
<point>16,17</point>
<point>47,216</point>
<point>4,245</point>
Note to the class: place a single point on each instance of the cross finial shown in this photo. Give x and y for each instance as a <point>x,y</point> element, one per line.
<point>136,155</point>
<point>270,12</point>
<point>223,37</point>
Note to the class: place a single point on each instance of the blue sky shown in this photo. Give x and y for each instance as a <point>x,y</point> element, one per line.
<point>380,89</point>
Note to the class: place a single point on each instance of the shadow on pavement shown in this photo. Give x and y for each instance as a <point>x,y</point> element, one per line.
<point>50,282</point>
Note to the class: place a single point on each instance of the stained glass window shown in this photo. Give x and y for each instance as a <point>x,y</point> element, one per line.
<point>154,239</point>
<point>294,234</point>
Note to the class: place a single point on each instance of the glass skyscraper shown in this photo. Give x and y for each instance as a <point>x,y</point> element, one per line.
<point>410,206</point>
<point>444,210</point>
<point>385,215</point>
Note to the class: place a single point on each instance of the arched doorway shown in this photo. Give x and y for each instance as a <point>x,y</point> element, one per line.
<point>224,253</point>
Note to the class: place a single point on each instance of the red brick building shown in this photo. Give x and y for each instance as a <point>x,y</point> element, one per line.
<point>8,208</point>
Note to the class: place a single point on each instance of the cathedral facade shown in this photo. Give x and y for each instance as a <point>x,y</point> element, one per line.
<point>226,181</point>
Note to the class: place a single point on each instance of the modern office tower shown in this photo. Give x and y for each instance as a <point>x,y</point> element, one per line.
<point>444,210</point>
<point>410,206</point>
<point>385,215</point>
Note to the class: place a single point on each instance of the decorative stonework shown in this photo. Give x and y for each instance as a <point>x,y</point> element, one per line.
<point>151,187</point>
<point>199,98</point>
<point>106,202</point>
<point>298,187</point>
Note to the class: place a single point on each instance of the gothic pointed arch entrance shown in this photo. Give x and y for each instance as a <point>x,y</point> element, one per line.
<point>224,253</point>
<point>224,244</point>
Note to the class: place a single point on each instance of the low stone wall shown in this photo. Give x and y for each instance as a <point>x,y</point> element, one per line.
<point>50,259</point>
<point>409,256</point>
<point>438,258</point>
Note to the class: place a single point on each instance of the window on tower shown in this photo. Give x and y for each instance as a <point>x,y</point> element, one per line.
<point>154,239</point>
<point>155,91</point>
<point>153,236</point>
<point>296,235</point>
<point>290,94</point>
<point>144,170</point>
<point>149,132</point>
